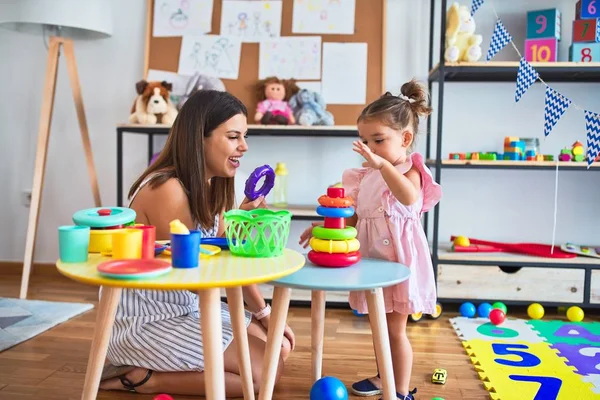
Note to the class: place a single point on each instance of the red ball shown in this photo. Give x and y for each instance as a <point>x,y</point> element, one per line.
<point>497,316</point>
<point>162,396</point>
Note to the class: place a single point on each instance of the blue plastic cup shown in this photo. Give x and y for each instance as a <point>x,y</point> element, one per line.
<point>73,243</point>
<point>185,249</point>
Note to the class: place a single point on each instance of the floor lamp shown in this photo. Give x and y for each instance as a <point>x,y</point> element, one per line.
<point>58,22</point>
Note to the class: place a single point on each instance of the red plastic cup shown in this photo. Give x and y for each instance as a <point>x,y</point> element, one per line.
<point>335,192</point>
<point>148,240</point>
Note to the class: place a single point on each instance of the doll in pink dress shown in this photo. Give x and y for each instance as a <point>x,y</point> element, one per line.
<point>273,107</point>
<point>391,192</point>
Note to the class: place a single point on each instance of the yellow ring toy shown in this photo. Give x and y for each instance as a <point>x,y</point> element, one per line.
<point>346,233</point>
<point>338,202</point>
<point>334,246</point>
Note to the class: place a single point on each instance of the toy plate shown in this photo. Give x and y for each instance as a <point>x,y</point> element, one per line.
<point>134,269</point>
<point>588,251</point>
<point>206,250</point>
<point>217,241</point>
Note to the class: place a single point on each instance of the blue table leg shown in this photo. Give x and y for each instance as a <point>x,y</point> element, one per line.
<point>381,341</point>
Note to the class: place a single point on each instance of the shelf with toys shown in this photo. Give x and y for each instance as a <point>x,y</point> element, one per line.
<point>461,274</point>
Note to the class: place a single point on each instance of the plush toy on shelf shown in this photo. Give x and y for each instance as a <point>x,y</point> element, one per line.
<point>309,108</point>
<point>461,42</point>
<point>153,104</point>
<point>273,95</point>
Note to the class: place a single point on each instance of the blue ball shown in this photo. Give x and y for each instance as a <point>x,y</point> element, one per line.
<point>328,388</point>
<point>467,310</point>
<point>484,310</point>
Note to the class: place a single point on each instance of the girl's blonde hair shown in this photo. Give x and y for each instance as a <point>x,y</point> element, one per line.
<point>402,111</point>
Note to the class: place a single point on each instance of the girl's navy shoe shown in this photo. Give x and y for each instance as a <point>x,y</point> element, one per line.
<point>409,396</point>
<point>366,388</point>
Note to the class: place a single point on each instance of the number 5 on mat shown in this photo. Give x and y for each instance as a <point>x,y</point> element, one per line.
<point>504,349</point>
<point>549,386</point>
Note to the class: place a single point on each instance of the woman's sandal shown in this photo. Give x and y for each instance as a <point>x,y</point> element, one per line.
<point>127,384</point>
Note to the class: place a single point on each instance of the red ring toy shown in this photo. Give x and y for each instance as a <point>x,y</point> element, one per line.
<point>337,202</point>
<point>334,260</point>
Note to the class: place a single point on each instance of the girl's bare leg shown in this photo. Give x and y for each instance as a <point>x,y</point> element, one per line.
<point>402,354</point>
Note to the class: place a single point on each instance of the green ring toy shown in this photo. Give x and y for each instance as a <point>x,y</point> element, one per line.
<point>104,217</point>
<point>346,233</point>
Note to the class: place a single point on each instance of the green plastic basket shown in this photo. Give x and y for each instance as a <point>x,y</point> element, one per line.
<point>257,233</point>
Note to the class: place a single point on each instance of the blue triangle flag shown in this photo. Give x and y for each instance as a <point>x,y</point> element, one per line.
<point>526,76</point>
<point>475,4</point>
<point>592,127</point>
<point>500,38</point>
<point>555,105</point>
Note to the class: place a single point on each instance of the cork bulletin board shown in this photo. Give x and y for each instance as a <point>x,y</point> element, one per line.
<point>162,53</point>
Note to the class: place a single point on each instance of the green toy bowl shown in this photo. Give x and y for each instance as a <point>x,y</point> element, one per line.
<point>257,233</point>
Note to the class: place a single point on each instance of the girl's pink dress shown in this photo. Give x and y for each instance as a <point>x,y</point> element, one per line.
<point>392,231</point>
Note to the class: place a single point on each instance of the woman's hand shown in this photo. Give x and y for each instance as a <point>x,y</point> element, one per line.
<point>287,331</point>
<point>307,234</point>
<point>248,205</point>
<point>372,160</point>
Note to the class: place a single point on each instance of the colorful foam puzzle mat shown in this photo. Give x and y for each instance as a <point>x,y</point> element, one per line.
<point>533,360</point>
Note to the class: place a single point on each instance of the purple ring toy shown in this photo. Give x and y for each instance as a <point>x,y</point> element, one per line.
<point>250,189</point>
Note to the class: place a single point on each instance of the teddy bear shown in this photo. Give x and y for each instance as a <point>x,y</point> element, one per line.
<point>153,104</point>
<point>273,95</point>
<point>309,108</point>
<point>200,82</point>
<point>461,42</point>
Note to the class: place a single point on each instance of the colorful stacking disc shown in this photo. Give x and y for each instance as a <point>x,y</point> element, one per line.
<point>334,234</point>
<point>335,260</point>
<point>334,246</point>
<point>346,212</point>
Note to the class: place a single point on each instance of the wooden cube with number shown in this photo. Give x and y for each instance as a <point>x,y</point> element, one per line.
<point>541,50</point>
<point>586,30</point>
<point>585,9</point>
<point>543,24</point>
<point>584,52</point>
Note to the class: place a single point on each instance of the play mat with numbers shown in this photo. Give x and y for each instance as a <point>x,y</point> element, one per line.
<point>533,360</point>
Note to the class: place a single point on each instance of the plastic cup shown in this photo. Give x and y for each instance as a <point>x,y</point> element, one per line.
<point>148,240</point>
<point>73,243</point>
<point>127,244</point>
<point>185,249</point>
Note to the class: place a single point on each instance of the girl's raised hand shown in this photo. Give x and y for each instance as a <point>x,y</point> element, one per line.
<point>372,160</point>
<point>307,234</point>
<point>248,205</point>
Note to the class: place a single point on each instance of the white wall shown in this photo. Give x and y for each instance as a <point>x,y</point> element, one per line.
<point>108,71</point>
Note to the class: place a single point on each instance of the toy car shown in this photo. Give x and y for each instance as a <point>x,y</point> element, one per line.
<point>439,376</point>
<point>418,316</point>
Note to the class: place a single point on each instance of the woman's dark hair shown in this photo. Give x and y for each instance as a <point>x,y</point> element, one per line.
<point>183,155</point>
<point>399,112</point>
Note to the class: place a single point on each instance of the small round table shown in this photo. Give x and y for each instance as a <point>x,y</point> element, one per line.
<point>369,275</point>
<point>223,270</point>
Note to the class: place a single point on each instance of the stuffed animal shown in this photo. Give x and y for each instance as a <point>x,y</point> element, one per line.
<point>309,108</point>
<point>273,95</point>
<point>200,82</point>
<point>153,104</point>
<point>461,42</point>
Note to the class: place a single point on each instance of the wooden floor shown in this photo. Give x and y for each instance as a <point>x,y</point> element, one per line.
<point>52,365</point>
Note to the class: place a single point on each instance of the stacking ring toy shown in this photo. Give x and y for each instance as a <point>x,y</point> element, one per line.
<point>333,260</point>
<point>104,217</point>
<point>250,189</point>
<point>337,202</point>
<point>347,233</point>
<point>335,212</point>
<point>334,246</point>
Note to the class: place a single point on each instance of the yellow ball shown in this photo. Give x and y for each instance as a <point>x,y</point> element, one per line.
<point>535,311</point>
<point>462,241</point>
<point>575,314</point>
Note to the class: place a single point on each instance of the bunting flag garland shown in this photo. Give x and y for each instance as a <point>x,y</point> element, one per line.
<point>555,105</point>
<point>475,4</point>
<point>592,127</point>
<point>500,38</point>
<point>526,76</point>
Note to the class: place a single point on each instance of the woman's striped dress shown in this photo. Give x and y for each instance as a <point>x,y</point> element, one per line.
<point>160,329</point>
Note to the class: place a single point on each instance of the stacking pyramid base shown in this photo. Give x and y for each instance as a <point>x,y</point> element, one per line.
<point>333,260</point>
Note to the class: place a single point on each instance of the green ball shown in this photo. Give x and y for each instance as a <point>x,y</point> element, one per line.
<point>437,398</point>
<point>500,305</point>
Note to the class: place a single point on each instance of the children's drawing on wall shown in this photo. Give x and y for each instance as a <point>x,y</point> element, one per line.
<point>210,55</point>
<point>324,16</point>
<point>297,57</point>
<point>182,17</point>
<point>251,20</point>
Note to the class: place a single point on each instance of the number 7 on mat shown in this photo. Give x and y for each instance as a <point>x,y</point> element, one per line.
<point>549,386</point>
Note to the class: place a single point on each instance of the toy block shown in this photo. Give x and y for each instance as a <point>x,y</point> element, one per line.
<point>530,154</point>
<point>585,9</point>
<point>488,156</point>
<point>512,156</point>
<point>584,52</point>
<point>541,50</point>
<point>509,139</point>
<point>474,156</point>
<point>578,158</point>
<point>543,24</point>
<point>586,30</point>
<point>548,157</point>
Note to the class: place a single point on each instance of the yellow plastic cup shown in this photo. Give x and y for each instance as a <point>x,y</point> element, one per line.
<point>127,244</point>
